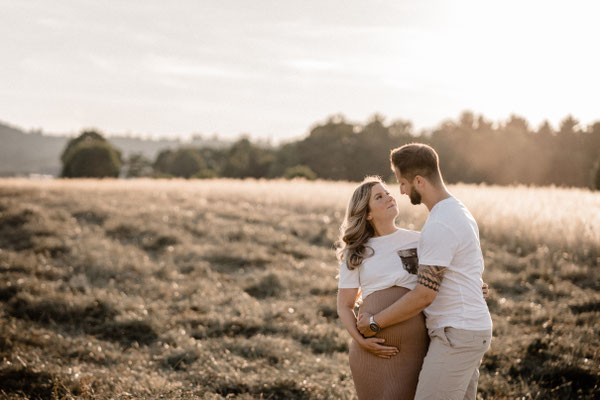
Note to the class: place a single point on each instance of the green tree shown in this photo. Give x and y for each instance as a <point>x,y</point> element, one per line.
<point>246,160</point>
<point>86,136</point>
<point>186,162</point>
<point>162,164</point>
<point>90,155</point>
<point>93,160</point>
<point>568,169</point>
<point>215,159</point>
<point>330,150</point>
<point>374,142</point>
<point>285,157</point>
<point>596,183</point>
<point>137,166</point>
<point>189,162</point>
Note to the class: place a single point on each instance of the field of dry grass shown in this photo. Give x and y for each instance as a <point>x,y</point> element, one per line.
<point>226,289</point>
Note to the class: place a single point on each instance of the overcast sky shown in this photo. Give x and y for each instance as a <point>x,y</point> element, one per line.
<point>273,68</point>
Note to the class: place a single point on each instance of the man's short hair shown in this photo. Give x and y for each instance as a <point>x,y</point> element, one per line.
<point>416,159</point>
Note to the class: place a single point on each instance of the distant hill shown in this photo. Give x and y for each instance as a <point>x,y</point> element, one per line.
<point>23,153</point>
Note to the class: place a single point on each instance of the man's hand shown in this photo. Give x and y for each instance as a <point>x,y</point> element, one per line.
<point>373,345</point>
<point>485,289</point>
<point>363,325</point>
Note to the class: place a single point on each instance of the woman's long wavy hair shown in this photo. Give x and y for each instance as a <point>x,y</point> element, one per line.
<point>356,230</point>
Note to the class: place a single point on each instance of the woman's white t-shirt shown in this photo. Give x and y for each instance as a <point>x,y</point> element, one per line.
<point>383,269</point>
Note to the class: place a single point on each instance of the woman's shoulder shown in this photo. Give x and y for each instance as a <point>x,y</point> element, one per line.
<point>409,234</point>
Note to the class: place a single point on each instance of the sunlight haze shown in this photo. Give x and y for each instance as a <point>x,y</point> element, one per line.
<point>271,69</point>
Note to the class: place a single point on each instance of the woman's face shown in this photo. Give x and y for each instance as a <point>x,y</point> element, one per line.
<point>382,206</point>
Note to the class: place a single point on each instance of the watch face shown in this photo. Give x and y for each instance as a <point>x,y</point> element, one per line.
<point>374,327</point>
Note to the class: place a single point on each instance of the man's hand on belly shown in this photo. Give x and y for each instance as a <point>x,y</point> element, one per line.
<point>363,325</point>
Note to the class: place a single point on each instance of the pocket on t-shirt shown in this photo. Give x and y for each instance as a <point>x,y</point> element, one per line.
<point>410,260</point>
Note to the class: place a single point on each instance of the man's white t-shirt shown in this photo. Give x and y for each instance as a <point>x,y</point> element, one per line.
<point>450,238</point>
<point>384,269</point>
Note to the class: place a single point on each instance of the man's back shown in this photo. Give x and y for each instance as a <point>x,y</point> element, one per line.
<point>450,238</point>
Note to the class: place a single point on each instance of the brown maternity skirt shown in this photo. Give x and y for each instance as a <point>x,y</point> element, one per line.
<point>394,378</point>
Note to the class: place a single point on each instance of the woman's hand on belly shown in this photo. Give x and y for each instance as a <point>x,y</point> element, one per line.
<point>374,346</point>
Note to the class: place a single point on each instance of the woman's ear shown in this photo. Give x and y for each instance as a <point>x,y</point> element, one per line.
<point>369,217</point>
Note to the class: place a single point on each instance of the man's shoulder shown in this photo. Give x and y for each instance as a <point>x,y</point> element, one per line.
<point>436,227</point>
<point>451,211</point>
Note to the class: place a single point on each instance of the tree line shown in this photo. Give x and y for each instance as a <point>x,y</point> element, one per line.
<point>472,149</point>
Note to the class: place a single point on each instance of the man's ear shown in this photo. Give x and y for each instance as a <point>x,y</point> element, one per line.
<point>419,181</point>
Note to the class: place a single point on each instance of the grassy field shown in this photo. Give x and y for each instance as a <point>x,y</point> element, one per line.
<point>226,289</point>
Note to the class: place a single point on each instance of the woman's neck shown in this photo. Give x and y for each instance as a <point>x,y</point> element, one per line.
<point>386,229</point>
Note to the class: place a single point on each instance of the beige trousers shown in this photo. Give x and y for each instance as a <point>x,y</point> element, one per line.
<point>451,366</point>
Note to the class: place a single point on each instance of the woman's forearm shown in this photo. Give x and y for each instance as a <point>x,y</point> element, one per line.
<point>348,319</point>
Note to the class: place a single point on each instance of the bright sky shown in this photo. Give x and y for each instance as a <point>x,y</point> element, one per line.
<point>271,69</point>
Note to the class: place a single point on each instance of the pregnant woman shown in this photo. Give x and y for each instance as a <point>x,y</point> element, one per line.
<point>372,258</point>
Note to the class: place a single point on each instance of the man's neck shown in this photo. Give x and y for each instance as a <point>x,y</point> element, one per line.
<point>436,195</point>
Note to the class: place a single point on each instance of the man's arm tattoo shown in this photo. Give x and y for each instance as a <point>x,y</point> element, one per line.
<point>431,276</point>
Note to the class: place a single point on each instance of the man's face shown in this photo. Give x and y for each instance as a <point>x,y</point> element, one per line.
<point>408,189</point>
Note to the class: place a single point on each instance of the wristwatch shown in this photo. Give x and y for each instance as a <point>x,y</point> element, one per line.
<point>373,325</point>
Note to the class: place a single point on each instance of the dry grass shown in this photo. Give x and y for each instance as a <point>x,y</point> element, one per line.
<point>210,289</point>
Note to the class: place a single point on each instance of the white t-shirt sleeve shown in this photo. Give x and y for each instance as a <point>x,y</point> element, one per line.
<point>437,245</point>
<point>348,278</point>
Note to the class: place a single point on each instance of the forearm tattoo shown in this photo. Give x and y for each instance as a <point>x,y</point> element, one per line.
<point>431,276</point>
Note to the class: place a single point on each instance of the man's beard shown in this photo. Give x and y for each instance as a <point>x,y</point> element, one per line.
<point>415,197</point>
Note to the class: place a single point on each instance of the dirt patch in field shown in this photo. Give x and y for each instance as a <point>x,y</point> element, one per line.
<point>181,360</point>
<point>35,385</point>
<point>127,333</point>
<point>13,233</point>
<point>281,389</point>
<point>213,329</point>
<point>542,364</point>
<point>8,292</point>
<point>90,217</point>
<point>269,286</point>
<point>231,263</point>
<point>54,311</point>
<point>590,306</point>
<point>96,318</point>
<point>147,240</point>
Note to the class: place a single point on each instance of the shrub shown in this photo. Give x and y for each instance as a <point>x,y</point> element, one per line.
<point>93,160</point>
<point>90,156</point>
<point>184,162</point>
<point>206,173</point>
<point>138,166</point>
<point>300,171</point>
<point>161,175</point>
<point>85,137</point>
<point>247,160</point>
<point>596,182</point>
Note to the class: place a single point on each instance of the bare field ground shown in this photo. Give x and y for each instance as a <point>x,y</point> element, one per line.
<point>226,289</point>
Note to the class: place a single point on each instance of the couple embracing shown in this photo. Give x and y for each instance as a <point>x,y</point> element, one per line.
<point>423,325</point>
